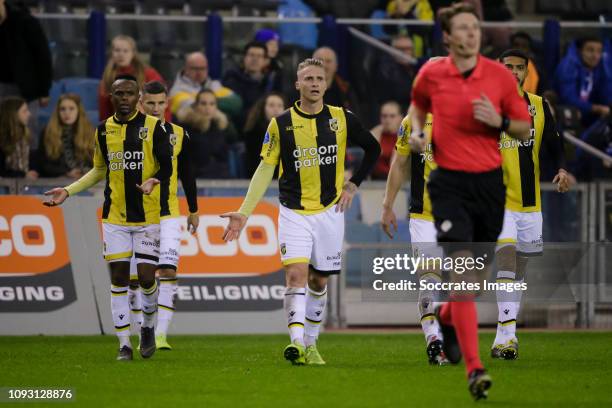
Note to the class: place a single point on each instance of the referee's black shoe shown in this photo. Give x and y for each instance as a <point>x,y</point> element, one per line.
<point>450,345</point>
<point>147,342</point>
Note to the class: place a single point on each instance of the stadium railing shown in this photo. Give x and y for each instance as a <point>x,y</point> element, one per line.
<point>583,215</point>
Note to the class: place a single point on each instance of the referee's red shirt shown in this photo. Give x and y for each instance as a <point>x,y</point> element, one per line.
<point>461,142</point>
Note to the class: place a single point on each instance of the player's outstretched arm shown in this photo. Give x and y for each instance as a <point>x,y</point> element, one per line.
<point>257,188</point>
<point>89,179</point>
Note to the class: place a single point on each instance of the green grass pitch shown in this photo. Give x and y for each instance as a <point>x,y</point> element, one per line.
<point>363,370</point>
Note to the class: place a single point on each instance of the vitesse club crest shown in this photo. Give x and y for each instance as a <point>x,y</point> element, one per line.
<point>283,249</point>
<point>173,139</point>
<point>142,133</point>
<point>334,125</point>
<point>532,110</point>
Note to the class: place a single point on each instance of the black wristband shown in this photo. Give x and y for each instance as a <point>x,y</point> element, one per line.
<point>505,124</point>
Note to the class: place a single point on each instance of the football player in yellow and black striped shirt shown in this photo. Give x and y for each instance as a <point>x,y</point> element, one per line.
<point>521,236</point>
<point>422,228</point>
<point>133,153</point>
<point>308,143</point>
<point>154,101</point>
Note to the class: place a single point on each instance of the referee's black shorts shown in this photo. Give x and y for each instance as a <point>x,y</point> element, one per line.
<point>467,207</point>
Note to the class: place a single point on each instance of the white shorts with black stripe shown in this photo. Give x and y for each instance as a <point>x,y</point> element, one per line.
<point>122,241</point>
<point>524,230</point>
<point>315,239</point>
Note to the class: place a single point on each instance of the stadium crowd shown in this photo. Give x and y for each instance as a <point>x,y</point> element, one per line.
<point>227,117</point>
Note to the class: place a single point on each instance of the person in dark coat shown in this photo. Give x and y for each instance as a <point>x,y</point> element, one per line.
<point>251,81</point>
<point>26,69</point>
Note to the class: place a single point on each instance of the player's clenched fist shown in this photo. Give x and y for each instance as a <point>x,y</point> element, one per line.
<point>237,222</point>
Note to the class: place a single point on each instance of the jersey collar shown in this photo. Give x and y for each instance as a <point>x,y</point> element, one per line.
<point>129,119</point>
<point>452,68</point>
<point>296,108</point>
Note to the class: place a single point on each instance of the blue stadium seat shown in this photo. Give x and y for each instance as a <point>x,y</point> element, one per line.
<point>86,88</point>
<point>358,232</point>
<point>93,116</point>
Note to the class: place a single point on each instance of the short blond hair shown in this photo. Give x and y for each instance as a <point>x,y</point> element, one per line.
<point>310,62</point>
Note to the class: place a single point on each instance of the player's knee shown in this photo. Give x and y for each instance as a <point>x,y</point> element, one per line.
<point>316,281</point>
<point>506,258</point>
<point>147,283</point>
<point>120,278</point>
<point>521,267</point>
<point>120,273</point>
<point>167,273</point>
<point>296,275</point>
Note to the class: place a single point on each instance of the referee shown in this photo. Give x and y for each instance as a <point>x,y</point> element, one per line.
<point>472,98</point>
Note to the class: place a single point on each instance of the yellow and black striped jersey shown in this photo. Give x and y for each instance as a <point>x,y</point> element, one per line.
<point>132,152</point>
<point>182,168</point>
<point>521,160</point>
<point>310,150</point>
<point>421,166</point>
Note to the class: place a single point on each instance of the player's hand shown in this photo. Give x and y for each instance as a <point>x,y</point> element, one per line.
<point>58,196</point>
<point>417,142</point>
<point>237,222</point>
<point>147,187</point>
<point>485,112</point>
<point>346,198</point>
<point>389,220</point>
<point>563,180</point>
<point>193,220</point>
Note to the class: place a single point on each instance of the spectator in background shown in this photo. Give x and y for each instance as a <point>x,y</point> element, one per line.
<point>67,144</point>
<point>15,139</point>
<point>582,81</point>
<point>26,69</point>
<point>410,10</point>
<point>274,67</point>
<point>191,80</point>
<point>256,126</point>
<point>523,41</point>
<point>393,76</point>
<point>211,134</point>
<point>386,135</point>
<point>124,60</point>
<point>251,81</point>
<point>339,91</point>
